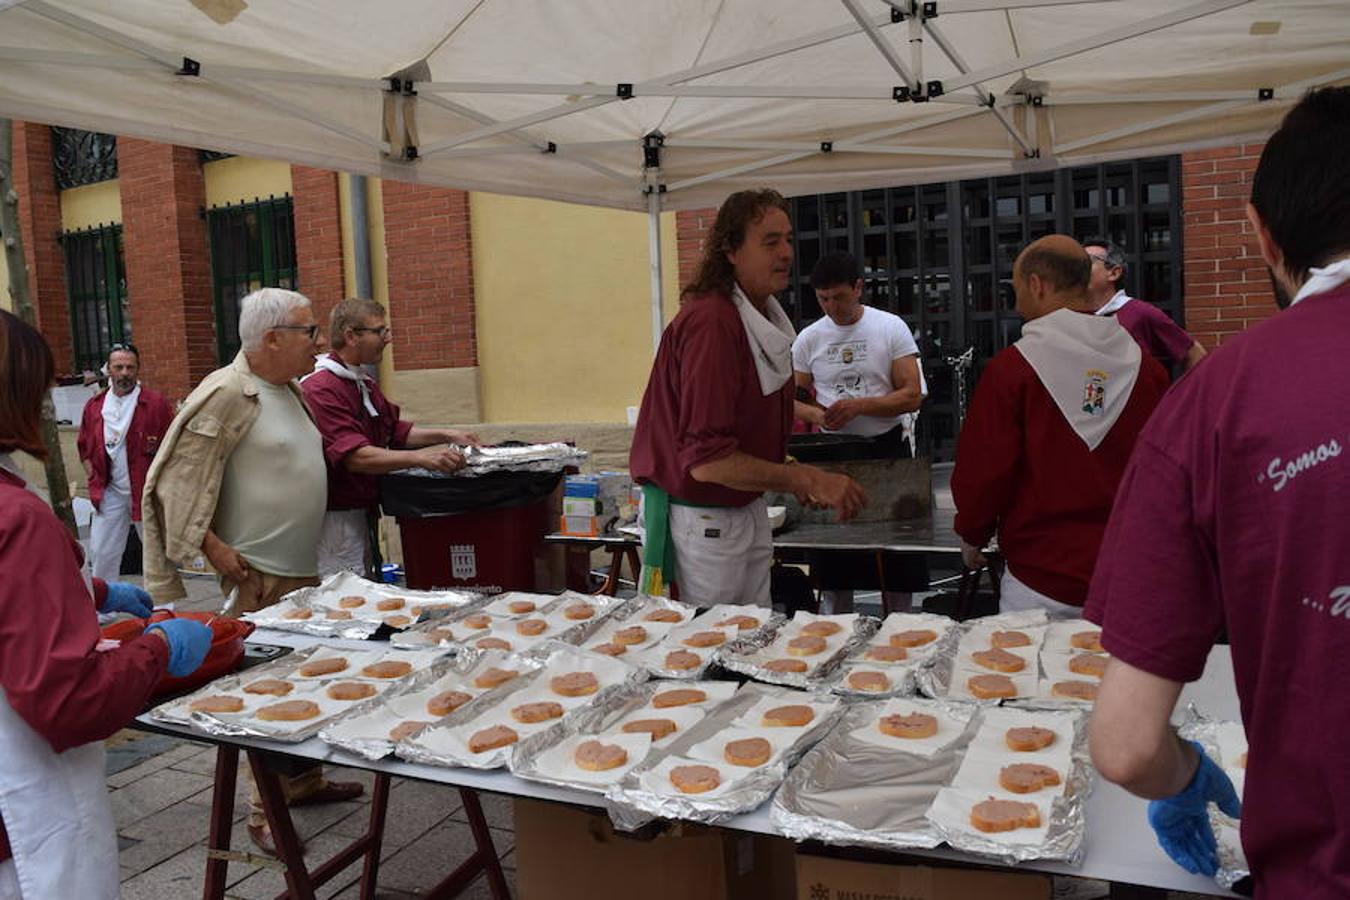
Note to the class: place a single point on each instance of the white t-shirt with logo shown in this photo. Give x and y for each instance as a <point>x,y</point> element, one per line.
<point>855,361</point>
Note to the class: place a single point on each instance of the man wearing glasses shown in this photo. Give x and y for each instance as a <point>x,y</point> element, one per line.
<point>363,436</point>
<point>1152,328</point>
<point>240,479</point>
<point>120,431</point>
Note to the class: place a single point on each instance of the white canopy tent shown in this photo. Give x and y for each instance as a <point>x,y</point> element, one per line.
<point>669,104</point>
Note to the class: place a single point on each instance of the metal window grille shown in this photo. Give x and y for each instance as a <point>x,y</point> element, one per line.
<point>96,289</point>
<point>252,246</point>
<point>940,256</point>
<point>82,157</point>
<point>206,156</point>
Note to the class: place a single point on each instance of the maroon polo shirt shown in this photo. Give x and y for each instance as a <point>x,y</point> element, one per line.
<point>346,426</point>
<point>704,402</point>
<point>1154,331</point>
<point>1234,511</point>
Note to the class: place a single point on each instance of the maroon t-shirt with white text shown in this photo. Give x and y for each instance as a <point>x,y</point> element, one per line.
<point>1235,509</point>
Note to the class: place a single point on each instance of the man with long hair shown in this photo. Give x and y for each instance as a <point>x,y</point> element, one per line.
<point>1233,513</point>
<point>712,433</point>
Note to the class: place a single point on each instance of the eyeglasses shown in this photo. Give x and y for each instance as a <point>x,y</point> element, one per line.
<point>1101,259</point>
<point>382,331</point>
<point>311,331</point>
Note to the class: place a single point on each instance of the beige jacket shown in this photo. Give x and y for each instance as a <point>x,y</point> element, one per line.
<point>184,481</point>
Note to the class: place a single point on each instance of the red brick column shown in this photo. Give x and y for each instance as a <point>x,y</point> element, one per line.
<point>691,229</point>
<point>1227,283</point>
<point>168,263</point>
<point>318,238</point>
<point>40,220</point>
<point>430,258</point>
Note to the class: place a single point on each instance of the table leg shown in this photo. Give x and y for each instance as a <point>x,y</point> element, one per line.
<point>880,561</point>
<point>298,883</point>
<point>484,860</point>
<point>379,805</point>
<point>611,585</point>
<point>222,820</point>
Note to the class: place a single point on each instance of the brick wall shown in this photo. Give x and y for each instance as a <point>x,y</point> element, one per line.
<point>40,221</point>
<point>168,264</point>
<point>691,228</point>
<point>318,238</point>
<point>430,257</point>
<point>1227,285</point>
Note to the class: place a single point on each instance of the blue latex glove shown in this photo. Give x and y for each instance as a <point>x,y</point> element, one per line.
<point>127,598</point>
<point>1182,821</point>
<point>189,642</point>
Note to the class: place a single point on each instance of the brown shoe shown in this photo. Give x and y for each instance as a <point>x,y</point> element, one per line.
<point>261,836</point>
<point>331,792</point>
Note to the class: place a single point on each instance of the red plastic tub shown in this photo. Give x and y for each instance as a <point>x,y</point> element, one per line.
<point>227,647</point>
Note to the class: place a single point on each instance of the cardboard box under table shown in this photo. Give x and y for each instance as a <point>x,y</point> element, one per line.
<point>565,853</point>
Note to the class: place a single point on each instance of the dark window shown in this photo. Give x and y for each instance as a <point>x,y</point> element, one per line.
<point>940,256</point>
<point>82,157</point>
<point>96,287</point>
<point>252,247</point>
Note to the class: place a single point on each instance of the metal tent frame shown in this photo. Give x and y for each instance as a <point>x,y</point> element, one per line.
<point>925,102</point>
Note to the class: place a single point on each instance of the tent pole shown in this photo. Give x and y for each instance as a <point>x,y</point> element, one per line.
<point>654,249</point>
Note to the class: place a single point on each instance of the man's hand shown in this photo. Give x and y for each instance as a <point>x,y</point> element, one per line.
<point>811,413</point>
<point>462,438</point>
<point>440,459</point>
<point>225,559</point>
<point>1181,821</point>
<point>826,489</point>
<point>972,557</point>
<point>841,412</point>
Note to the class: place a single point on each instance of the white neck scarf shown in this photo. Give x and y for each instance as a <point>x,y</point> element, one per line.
<point>1112,306</point>
<point>1088,364</point>
<point>327,363</point>
<point>770,335</point>
<point>117,415</point>
<point>1324,279</point>
<point>9,465</point>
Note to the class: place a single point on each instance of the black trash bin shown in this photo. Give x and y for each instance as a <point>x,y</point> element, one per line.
<point>480,531</point>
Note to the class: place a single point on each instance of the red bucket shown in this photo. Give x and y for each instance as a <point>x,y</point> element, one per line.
<point>227,646</point>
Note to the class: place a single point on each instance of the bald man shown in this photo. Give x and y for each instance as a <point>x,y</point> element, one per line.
<point>1049,430</point>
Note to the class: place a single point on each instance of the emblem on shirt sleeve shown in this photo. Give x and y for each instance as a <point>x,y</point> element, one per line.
<point>1094,391</point>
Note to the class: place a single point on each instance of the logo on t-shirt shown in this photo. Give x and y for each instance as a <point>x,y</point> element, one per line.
<point>849,383</point>
<point>1094,391</point>
<point>846,352</point>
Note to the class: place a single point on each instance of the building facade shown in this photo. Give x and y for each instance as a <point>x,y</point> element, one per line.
<point>509,310</point>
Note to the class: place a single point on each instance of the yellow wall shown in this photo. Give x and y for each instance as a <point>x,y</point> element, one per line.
<point>91,204</point>
<point>5,302</point>
<point>563,296</point>
<point>240,178</point>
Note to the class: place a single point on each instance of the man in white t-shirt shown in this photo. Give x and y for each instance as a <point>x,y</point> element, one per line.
<point>864,366</point>
<point>862,362</point>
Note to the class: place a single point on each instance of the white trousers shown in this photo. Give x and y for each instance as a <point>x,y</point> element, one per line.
<point>108,534</point>
<point>722,554</point>
<point>1014,595</point>
<point>9,881</point>
<point>344,542</point>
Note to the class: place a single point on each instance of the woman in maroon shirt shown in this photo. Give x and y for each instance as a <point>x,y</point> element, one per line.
<point>59,695</point>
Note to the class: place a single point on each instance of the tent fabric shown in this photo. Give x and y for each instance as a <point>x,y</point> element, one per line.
<point>798,95</point>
